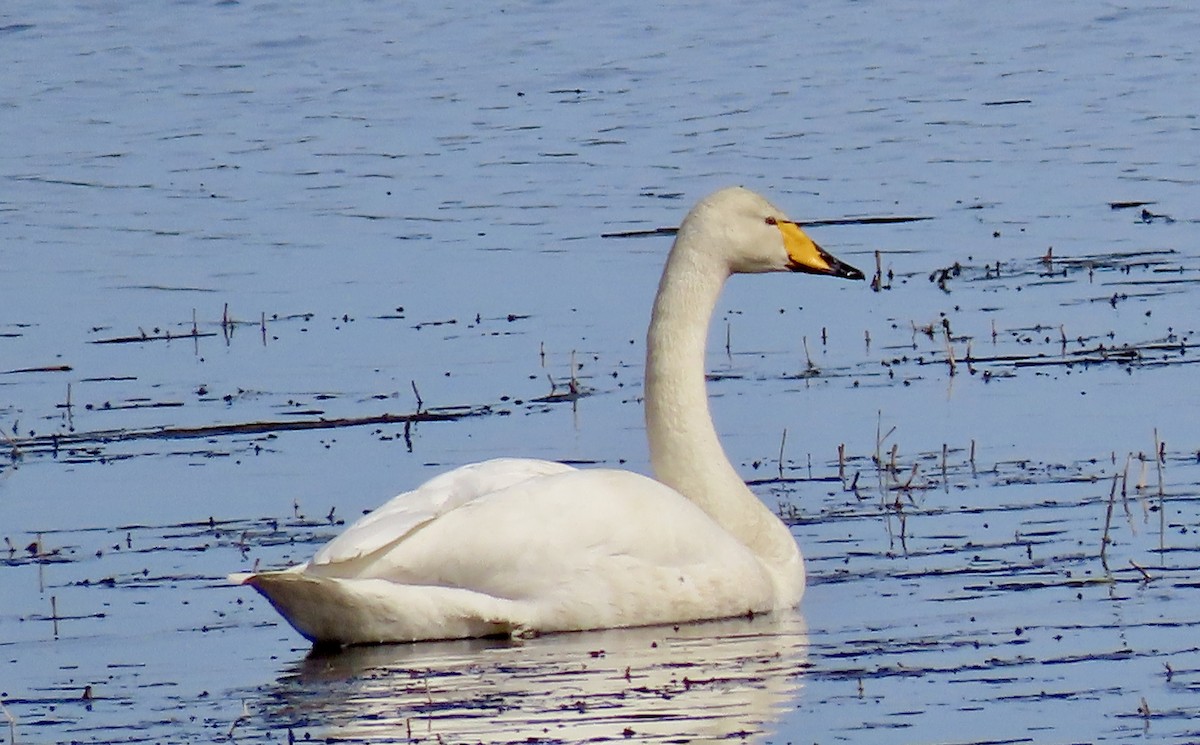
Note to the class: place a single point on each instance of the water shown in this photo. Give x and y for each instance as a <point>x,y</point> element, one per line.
<point>340,213</point>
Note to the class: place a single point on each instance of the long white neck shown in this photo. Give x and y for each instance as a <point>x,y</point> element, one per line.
<point>684,449</point>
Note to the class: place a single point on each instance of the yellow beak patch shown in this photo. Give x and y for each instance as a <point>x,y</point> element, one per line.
<point>804,253</point>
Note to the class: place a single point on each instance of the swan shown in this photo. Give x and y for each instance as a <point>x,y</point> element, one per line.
<point>521,547</point>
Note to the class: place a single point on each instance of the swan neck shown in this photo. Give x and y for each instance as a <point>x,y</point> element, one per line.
<point>685,451</point>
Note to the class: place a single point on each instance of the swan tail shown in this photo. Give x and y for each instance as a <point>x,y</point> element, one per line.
<point>339,611</point>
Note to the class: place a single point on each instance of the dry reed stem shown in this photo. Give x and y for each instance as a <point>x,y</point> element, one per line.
<point>12,723</point>
<point>880,468</point>
<point>1162,506</point>
<point>782,442</point>
<point>1145,575</point>
<point>1104,540</point>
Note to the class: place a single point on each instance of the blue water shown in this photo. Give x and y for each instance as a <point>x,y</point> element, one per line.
<point>388,202</point>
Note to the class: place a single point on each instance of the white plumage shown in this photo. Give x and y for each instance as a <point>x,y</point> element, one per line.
<point>520,546</point>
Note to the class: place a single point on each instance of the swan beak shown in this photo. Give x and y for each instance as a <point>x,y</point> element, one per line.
<point>804,255</point>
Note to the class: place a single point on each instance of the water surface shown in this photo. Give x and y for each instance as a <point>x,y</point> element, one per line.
<point>218,215</point>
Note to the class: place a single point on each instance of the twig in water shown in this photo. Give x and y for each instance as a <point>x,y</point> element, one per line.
<point>12,723</point>
<point>1160,448</point>
<point>1125,496</point>
<point>244,716</point>
<point>810,369</point>
<point>1145,575</point>
<point>879,466</point>
<point>1159,453</point>
<point>877,280</point>
<point>782,441</point>
<point>14,452</point>
<point>1112,498</point>
<point>41,565</point>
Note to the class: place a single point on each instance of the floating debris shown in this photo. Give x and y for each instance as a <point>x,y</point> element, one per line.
<point>163,336</point>
<point>882,220</point>
<point>53,442</point>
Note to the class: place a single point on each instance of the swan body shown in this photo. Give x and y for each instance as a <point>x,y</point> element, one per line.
<point>520,546</point>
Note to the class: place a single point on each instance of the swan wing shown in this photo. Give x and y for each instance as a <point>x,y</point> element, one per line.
<point>400,516</point>
<point>578,550</point>
<point>558,550</point>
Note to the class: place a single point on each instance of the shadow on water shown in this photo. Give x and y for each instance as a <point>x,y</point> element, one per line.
<point>703,682</point>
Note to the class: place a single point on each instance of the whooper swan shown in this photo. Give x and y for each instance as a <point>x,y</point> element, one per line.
<point>520,547</point>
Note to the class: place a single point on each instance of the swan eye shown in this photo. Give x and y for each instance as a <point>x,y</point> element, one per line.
<point>772,221</point>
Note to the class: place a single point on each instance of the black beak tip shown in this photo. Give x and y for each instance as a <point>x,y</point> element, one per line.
<point>842,270</point>
<point>845,271</point>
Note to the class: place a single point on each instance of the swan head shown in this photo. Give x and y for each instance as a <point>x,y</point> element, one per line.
<point>751,235</point>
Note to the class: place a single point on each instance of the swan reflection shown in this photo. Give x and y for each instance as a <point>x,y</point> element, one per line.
<point>698,682</point>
